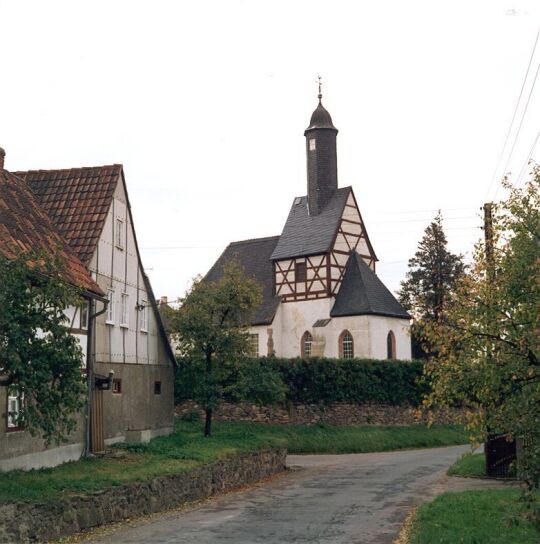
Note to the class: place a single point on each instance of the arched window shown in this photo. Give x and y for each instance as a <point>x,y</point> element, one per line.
<point>305,345</point>
<point>390,346</point>
<point>346,345</point>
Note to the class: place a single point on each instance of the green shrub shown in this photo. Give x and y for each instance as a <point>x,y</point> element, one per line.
<point>322,380</point>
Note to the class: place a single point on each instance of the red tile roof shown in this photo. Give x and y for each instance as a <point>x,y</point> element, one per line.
<point>25,226</point>
<point>77,200</point>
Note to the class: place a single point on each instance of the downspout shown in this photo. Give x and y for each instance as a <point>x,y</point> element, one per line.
<point>90,365</point>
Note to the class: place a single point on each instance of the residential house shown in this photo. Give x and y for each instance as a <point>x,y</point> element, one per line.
<point>130,362</point>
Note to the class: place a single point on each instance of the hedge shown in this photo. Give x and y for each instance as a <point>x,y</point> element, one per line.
<point>324,380</point>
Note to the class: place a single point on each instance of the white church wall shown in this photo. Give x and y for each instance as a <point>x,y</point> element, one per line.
<point>369,332</point>
<point>379,329</point>
<point>297,318</point>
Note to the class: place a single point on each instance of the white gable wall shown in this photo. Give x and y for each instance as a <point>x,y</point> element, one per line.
<point>120,269</point>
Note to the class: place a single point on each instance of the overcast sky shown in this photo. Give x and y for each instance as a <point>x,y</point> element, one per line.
<point>205,104</point>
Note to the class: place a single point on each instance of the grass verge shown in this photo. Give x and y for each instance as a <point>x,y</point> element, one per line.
<point>186,449</point>
<point>473,517</point>
<point>470,465</point>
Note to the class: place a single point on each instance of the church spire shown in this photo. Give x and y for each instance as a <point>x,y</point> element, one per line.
<point>321,157</point>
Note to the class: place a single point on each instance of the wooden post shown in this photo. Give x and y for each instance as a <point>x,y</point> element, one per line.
<point>488,237</point>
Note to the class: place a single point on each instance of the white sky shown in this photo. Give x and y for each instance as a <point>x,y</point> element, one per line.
<point>205,104</point>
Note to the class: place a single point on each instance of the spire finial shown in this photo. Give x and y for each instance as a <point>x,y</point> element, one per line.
<point>320,89</point>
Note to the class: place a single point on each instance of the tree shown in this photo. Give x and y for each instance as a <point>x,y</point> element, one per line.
<point>488,339</point>
<point>40,361</point>
<point>432,274</point>
<point>212,326</point>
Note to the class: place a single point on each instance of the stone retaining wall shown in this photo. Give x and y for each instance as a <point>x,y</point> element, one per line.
<point>308,414</point>
<point>42,522</point>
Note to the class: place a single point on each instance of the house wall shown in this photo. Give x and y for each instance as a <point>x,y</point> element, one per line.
<point>20,450</point>
<point>137,413</point>
<point>138,356</point>
<point>369,332</point>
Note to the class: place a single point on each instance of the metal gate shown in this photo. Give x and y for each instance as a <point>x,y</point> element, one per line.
<point>500,454</point>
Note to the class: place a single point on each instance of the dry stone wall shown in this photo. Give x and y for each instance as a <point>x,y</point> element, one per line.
<point>309,414</point>
<point>42,522</point>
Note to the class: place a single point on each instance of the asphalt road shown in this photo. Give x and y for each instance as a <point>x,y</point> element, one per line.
<point>338,499</point>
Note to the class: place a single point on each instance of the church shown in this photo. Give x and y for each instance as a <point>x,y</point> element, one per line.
<point>321,293</point>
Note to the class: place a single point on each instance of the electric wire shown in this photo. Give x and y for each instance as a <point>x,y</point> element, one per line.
<point>518,130</point>
<point>527,160</point>
<point>501,154</point>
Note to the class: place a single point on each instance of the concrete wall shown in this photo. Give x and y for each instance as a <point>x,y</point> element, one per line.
<point>137,413</point>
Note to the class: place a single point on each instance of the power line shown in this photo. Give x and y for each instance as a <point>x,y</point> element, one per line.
<point>528,159</point>
<point>519,129</point>
<point>501,154</point>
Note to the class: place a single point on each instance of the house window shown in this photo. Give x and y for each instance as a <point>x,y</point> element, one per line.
<point>125,310</point>
<point>119,233</point>
<point>143,316</point>
<point>300,272</point>
<point>157,388</point>
<point>305,345</point>
<point>117,387</point>
<point>111,296</point>
<point>390,346</point>
<point>84,316</point>
<point>312,144</point>
<point>346,345</point>
<point>15,402</point>
<point>253,349</point>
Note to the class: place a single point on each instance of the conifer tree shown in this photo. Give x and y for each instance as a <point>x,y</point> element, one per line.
<point>430,279</point>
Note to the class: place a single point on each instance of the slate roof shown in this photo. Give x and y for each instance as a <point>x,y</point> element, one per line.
<point>77,200</point>
<point>254,256</point>
<point>363,293</point>
<point>320,118</point>
<point>25,226</point>
<point>305,234</point>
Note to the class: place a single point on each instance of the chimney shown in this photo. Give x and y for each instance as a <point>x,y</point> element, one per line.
<point>2,157</point>
<point>163,300</point>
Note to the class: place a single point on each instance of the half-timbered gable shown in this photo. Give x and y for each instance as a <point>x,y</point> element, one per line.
<point>319,274</point>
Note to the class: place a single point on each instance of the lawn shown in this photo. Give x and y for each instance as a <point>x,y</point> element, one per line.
<point>470,465</point>
<point>473,517</point>
<point>187,449</point>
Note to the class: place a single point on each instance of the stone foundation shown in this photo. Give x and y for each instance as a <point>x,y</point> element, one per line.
<point>21,522</point>
<point>310,414</point>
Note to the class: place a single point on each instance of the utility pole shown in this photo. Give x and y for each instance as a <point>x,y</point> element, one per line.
<point>488,237</point>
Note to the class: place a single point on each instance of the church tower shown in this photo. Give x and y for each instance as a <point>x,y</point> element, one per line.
<point>321,158</point>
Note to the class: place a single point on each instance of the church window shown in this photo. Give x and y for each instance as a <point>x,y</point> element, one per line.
<point>253,348</point>
<point>346,345</point>
<point>306,344</point>
<point>390,346</point>
<point>312,144</point>
<point>300,272</point>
